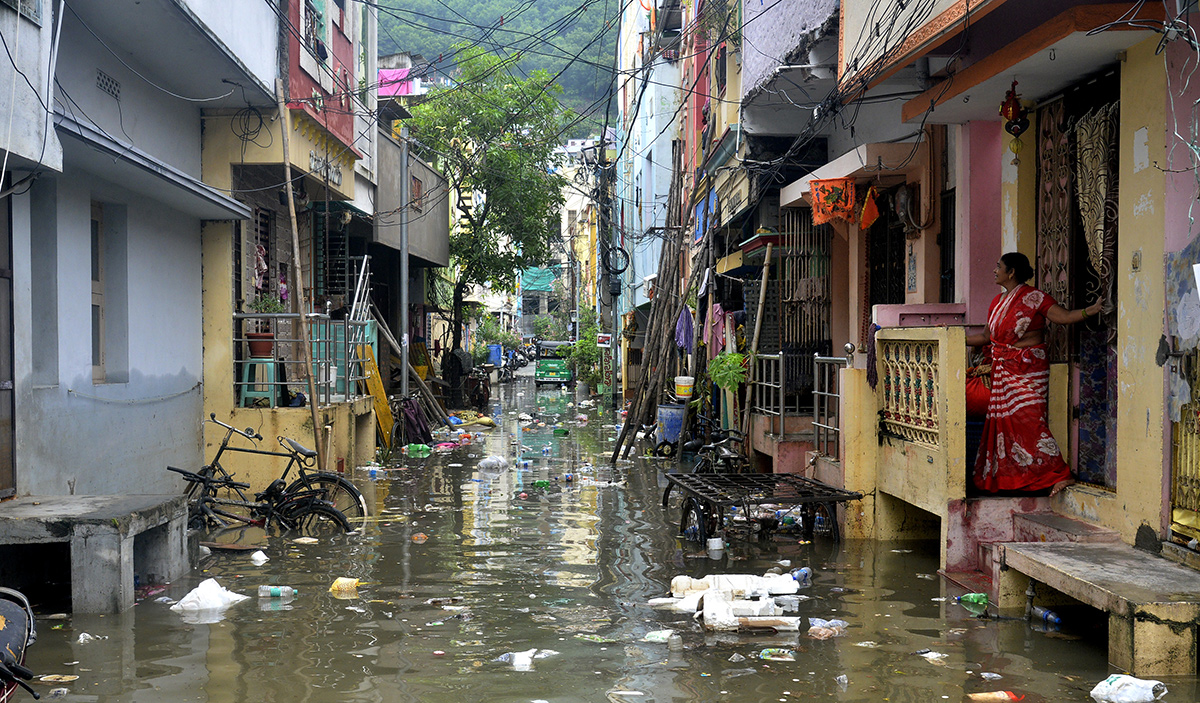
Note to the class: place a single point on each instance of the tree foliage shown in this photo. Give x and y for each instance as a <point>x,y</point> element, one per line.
<point>493,138</point>
<point>548,33</point>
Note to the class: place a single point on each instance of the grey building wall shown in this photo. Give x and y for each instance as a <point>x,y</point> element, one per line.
<point>782,28</point>
<point>428,227</point>
<point>31,139</point>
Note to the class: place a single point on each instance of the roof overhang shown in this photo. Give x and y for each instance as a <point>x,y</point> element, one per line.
<point>1044,61</point>
<point>93,151</point>
<point>169,42</point>
<point>890,160</point>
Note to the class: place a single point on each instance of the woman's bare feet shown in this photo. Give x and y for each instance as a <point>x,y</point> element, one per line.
<point>1058,487</point>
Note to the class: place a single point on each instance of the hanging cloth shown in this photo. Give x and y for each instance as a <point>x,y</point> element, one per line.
<point>684,333</point>
<point>870,210</point>
<point>832,198</point>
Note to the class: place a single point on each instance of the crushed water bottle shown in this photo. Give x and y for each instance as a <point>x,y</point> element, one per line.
<point>276,592</point>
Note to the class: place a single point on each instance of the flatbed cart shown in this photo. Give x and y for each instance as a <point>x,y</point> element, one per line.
<point>707,497</point>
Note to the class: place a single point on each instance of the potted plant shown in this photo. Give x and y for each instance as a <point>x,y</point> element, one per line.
<point>262,341</point>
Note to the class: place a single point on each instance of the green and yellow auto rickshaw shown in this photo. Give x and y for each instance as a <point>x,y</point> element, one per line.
<point>552,365</point>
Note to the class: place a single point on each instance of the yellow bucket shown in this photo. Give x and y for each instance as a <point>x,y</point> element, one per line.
<point>683,386</point>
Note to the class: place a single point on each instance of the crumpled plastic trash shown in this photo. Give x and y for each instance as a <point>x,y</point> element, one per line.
<point>259,558</point>
<point>1120,688</point>
<point>735,658</point>
<point>824,629</point>
<point>524,417</point>
<point>493,466</point>
<point>84,638</point>
<point>523,661</point>
<point>659,636</point>
<point>344,587</point>
<point>206,603</point>
<point>777,654</point>
<point>842,682</point>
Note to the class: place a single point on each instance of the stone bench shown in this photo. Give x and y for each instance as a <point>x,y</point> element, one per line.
<point>110,539</point>
<point>1153,604</point>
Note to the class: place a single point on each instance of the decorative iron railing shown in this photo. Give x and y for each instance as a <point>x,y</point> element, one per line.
<point>1185,455</point>
<point>909,374</point>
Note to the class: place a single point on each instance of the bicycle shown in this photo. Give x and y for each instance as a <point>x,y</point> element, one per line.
<point>300,511</point>
<point>335,488</point>
<point>18,630</point>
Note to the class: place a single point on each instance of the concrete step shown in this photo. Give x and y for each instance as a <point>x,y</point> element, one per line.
<point>1052,527</point>
<point>973,581</point>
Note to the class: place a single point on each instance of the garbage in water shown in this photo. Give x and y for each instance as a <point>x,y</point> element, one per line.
<point>932,657</point>
<point>802,576</point>
<point>1047,617</point>
<point>1120,688</point>
<point>720,612</point>
<point>493,466</point>
<point>276,592</point>
<point>869,644</point>
<point>204,551</point>
<point>586,637</point>
<point>84,638</point>
<point>675,643</point>
<point>259,558</point>
<point>737,585</point>
<point>989,676</point>
<point>735,658</point>
<point>306,540</point>
<point>626,693</point>
<point>777,654</point>
<point>842,682</point>
<point>206,603</point>
<point>523,661</point>
<point>974,603</point>
<point>420,538</point>
<point>58,693</point>
<point>994,696</point>
<point>344,587</point>
<point>824,629</point>
<point>57,678</point>
<point>658,636</point>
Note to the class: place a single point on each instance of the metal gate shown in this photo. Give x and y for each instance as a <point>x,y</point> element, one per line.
<point>806,301</point>
<point>1185,456</point>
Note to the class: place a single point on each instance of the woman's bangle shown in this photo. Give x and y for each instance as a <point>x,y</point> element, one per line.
<point>1084,312</point>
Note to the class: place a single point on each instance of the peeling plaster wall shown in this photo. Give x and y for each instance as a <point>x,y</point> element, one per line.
<point>1141,484</point>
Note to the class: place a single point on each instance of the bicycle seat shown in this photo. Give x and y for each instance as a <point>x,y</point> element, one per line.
<point>300,448</point>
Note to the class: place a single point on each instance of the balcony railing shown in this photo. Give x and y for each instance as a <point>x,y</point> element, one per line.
<point>909,371</point>
<point>770,391</point>
<point>827,402</point>
<point>268,366</point>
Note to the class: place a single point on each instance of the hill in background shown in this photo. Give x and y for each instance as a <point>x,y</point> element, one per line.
<point>547,33</point>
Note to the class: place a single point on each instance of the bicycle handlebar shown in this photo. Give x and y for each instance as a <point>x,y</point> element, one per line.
<point>248,433</point>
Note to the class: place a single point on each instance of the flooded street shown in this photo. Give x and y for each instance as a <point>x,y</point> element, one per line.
<point>461,570</point>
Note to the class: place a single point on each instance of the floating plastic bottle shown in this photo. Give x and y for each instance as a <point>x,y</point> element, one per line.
<point>276,592</point>
<point>1048,617</point>
<point>976,598</point>
<point>803,575</point>
<point>417,450</point>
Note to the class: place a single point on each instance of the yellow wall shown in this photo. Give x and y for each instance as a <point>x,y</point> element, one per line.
<point>1140,295</point>
<point>1018,194</point>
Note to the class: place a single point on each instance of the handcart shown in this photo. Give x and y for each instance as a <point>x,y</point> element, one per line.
<point>709,496</point>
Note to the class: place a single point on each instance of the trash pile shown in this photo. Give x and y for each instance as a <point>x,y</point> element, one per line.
<point>733,602</point>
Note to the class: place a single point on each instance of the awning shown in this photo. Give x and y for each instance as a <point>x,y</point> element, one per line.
<point>867,161</point>
<point>89,149</point>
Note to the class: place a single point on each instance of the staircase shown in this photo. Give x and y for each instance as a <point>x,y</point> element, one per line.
<point>978,525</point>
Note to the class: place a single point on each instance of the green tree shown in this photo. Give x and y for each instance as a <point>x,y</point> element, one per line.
<point>493,136</point>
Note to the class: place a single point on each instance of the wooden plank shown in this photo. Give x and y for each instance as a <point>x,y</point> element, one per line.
<point>383,411</point>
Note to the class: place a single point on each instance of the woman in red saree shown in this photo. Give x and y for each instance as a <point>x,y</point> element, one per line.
<point>1017,451</point>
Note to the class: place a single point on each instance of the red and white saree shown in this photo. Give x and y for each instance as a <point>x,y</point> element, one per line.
<point>1017,452</point>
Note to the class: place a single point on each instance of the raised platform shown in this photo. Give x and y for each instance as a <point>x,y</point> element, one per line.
<point>1153,604</point>
<point>111,538</point>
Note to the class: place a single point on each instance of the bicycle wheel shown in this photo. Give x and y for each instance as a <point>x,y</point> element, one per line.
<point>315,519</point>
<point>822,521</point>
<point>335,489</point>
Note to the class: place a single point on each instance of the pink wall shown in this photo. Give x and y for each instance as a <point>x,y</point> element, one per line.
<point>1182,94</point>
<point>978,230</point>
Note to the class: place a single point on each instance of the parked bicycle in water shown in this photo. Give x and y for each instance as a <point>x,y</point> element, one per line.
<point>334,488</point>
<point>18,630</point>
<point>302,511</point>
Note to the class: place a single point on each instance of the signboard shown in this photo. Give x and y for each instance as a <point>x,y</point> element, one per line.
<point>604,340</point>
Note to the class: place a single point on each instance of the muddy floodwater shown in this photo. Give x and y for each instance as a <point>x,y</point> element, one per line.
<point>525,586</point>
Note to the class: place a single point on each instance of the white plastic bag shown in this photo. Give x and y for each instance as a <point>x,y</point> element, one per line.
<point>493,466</point>
<point>1120,688</point>
<point>207,602</point>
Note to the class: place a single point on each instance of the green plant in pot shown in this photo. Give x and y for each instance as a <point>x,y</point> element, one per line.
<point>262,341</point>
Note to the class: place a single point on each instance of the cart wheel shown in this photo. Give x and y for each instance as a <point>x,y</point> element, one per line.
<point>693,523</point>
<point>665,449</point>
<point>820,520</point>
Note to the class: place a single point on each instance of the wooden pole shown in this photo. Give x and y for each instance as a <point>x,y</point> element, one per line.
<point>285,123</point>
<point>758,317</point>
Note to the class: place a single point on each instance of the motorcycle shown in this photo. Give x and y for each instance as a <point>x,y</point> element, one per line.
<point>17,631</point>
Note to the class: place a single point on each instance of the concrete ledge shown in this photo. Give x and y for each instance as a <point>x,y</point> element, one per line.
<point>1052,527</point>
<point>1153,604</point>
<point>111,538</point>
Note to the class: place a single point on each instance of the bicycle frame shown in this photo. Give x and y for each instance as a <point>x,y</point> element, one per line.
<point>215,468</point>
